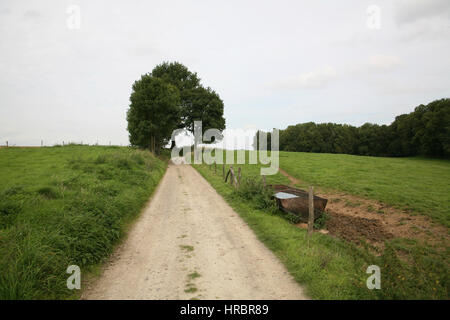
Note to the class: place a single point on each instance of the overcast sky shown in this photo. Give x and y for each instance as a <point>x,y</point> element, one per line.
<point>274,63</point>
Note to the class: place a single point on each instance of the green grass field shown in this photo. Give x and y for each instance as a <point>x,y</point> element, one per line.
<point>64,206</point>
<point>418,184</point>
<point>331,268</point>
<point>70,205</point>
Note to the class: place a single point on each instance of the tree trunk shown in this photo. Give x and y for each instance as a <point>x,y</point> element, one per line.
<point>152,144</point>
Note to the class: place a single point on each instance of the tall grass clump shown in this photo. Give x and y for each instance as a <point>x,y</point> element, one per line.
<point>253,190</point>
<point>261,197</point>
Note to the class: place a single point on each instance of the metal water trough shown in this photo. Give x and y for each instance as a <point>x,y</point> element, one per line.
<point>295,201</point>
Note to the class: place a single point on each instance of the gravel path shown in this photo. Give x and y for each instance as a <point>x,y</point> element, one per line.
<point>189,243</point>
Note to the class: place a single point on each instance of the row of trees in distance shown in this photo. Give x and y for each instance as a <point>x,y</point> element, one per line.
<point>425,131</point>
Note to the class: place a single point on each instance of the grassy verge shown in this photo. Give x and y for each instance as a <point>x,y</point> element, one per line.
<point>331,268</point>
<point>66,206</point>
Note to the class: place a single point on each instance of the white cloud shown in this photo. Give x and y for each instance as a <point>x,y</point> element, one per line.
<point>422,20</point>
<point>74,79</point>
<point>32,14</point>
<point>383,62</point>
<point>376,63</point>
<point>406,86</point>
<point>410,11</point>
<point>313,79</point>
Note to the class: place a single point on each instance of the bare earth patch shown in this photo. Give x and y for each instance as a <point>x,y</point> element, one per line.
<point>354,218</point>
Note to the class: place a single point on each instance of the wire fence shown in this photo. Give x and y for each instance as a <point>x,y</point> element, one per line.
<point>8,144</point>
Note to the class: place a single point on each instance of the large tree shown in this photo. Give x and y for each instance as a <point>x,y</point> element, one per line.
<point>153,112</point>
<point>196,102</point>
<point>202,105</point>
<point>184,101</point>
<point>177,74</point>
<point>170,97</point>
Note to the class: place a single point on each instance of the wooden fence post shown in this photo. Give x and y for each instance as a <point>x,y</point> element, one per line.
<point>239,177</point>
<point>233,179</point>
<point>264,181</point>
<point>215,167</point>
<point>223,170</point>
<point>7,144</point>
<point>231,175</point>
<point>311,211</point>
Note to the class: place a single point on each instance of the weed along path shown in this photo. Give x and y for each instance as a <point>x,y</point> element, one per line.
<point>190,244</point>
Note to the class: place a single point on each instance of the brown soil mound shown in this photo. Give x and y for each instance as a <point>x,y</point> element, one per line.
<point>354,218</point>
<point>355,229</point>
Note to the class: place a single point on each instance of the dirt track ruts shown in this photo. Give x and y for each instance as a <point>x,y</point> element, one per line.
<point>189,243</point>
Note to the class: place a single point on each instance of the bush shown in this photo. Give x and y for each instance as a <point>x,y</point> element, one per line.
<point>262,198</point>
<point>254,190</point>
<point>320,222</point>
<point>293,218</point>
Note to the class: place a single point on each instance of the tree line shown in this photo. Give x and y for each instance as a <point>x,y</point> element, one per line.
<point>168,98</point>
<point>425,131</point>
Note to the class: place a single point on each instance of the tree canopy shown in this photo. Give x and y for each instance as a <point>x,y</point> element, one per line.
<point>425,131</point>
<point>153,112</point>
<point>170,97</point>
